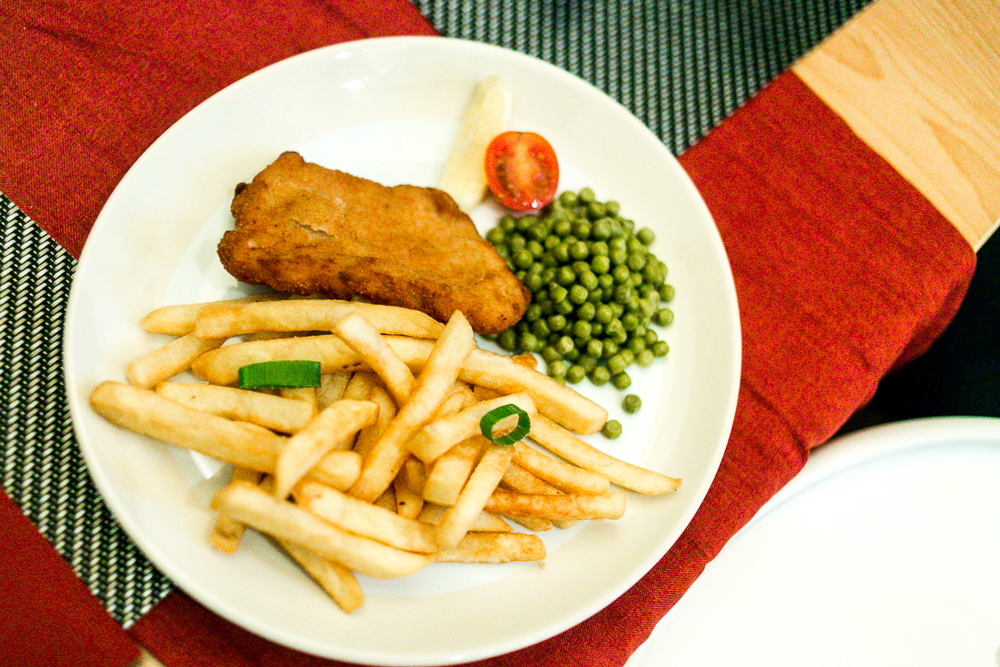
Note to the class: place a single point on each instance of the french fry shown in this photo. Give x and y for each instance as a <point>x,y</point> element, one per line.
<point>482,482</point>
<point>222,366</point>
<point>227,532</point>
<point>562,476</point>
<point>305,395</point>
<point>273,412</point>
<point>236,319</point>
<point>440,435</point>
<point>240,443</point>
<point>287,522</point>
<point>331,388</point>
<point>387,500</point>
<point>359,387</point>
<point>480,547</point>
<point>304,449</point>
<point>557,401</point>
<point>485,522</point>
<point>363,518</point>
<point>167,361</point>
<point>561,442</point>
<point>367,341</point>
<point>179,320</point>
<point>433,385</point>
<point>338,581</point>
<point>408,503</point>
<point>518,479</point>
<point>450,471</point>
<point>369,435</point>
<point>609,505</point>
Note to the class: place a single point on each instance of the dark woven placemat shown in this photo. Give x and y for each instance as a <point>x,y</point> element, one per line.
<point>681,67</point>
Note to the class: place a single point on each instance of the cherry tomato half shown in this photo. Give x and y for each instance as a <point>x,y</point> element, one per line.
<point>521,170</point>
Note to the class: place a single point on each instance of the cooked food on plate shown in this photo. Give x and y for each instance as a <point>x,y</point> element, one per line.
<point>304,229</point>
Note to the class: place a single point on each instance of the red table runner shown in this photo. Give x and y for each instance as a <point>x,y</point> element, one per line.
<point>843,270</point>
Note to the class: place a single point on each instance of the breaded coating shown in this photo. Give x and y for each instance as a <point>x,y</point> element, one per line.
<point>305,229</point>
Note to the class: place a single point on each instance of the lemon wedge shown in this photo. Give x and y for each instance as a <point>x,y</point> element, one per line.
<point>464,176</point>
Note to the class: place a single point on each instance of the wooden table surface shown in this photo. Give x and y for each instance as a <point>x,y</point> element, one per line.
<point>919,82</point>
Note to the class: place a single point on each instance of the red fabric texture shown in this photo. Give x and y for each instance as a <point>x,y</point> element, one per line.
<point>843,270</point>
<point>42,602</point>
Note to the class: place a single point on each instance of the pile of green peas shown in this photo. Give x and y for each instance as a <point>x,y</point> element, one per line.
<point>596,289</point>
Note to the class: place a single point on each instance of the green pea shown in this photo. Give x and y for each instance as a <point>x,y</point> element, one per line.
<point>556,322</point>
<point>507,340</point>
<point>564,307</point>
<point>568,198</point>
<point>561,252</point>
<point>575,374</point>
<point>595,348</point>
<point>617,256</point>
<point>540,328</point>
<point>549,354</point>
<point>507,223</point>
<point>565,276</point>
<point>610,349</point>
<point>616,363</point>
<point>663,317</point>
<point>611,429</point>
<point>495,236</point>
<point>660,348</point>
<point>631,403</point>
<point>627,356</point>
<point>585,196</point>
<point>630,321</point>
<point>621,381</point>
<point>624,294</point>
<point>635,261</point>
<point>581,329</point>
<point>599,375</point>
<point>579,250</point>
<point>600,264</point>
<point>645,236</point>
<point>605,281</point>
<point>564,345</point>
<point>557,293</point>
<point>636,345</point>
<point>578,294</point>
<point>601,229</point>
<point>613,207</point>
<point>532,313</point>
<point>644,358</point>
<point>620,274</point>
<point>528,342</point>
<point>582,229</point>
<point>587,363</point>
<point>572,355</point>
<point>667,293</point>
<point>533,281</point>
<point>586,311</point>
<point>556,369</point>
<point>550,241</point>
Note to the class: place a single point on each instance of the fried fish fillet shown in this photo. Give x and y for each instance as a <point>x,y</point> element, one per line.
<point>305,229</point>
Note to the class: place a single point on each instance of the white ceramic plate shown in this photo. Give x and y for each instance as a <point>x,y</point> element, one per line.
<point>387,109</point>
<point>883,551</point>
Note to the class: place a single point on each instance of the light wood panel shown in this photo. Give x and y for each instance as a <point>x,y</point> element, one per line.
<point>919,82</point>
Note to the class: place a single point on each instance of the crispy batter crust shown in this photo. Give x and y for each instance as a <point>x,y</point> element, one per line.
<point>305,229</point>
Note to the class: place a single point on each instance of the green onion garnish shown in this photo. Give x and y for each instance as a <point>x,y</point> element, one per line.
<point>280,375</point>
<point>491,418</point>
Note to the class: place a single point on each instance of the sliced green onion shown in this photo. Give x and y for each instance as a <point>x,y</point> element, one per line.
<point>491,418</point>
<point>280,375</point>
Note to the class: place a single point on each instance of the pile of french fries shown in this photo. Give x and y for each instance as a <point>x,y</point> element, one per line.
<point>383,468</point>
